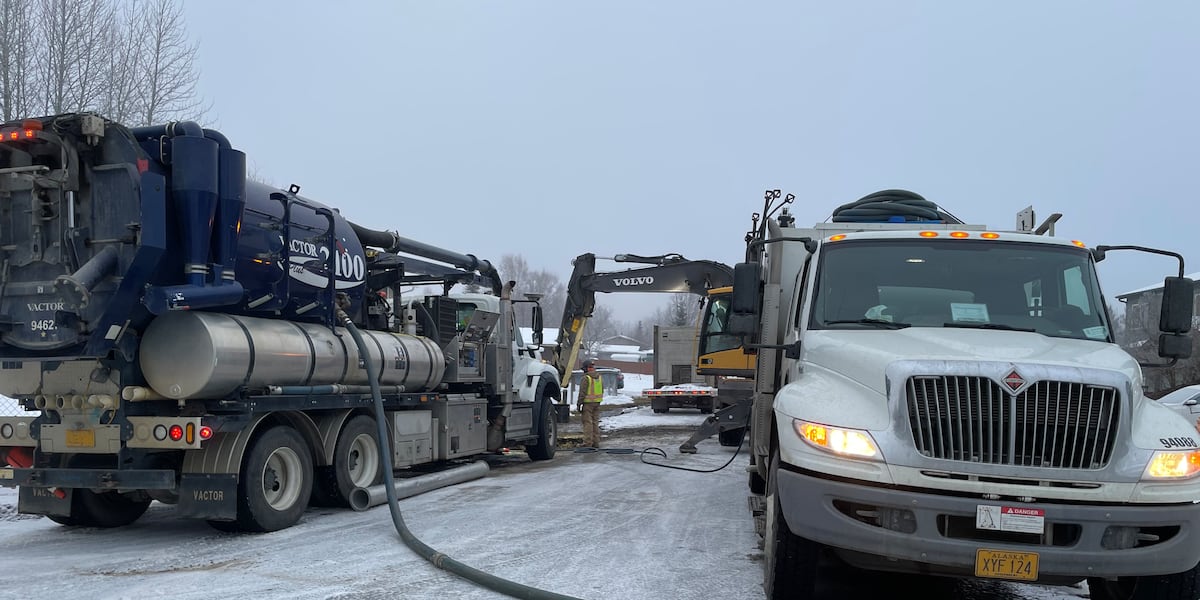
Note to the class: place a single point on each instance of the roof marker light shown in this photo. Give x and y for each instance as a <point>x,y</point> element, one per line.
<point>929,234</point>
<point>958,234</point>
<point>1079,243</point>
<point>837,238</point>
<point>990,235</point>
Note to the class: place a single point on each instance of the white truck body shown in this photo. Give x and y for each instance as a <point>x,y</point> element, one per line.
<point>676,384</point>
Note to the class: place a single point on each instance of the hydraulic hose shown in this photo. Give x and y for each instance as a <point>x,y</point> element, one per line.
<point>888,204</point>
<point>439,560</point>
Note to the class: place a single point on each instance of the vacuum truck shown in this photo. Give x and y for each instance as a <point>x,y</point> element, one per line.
<point>179,333</point>
<point>947,398</point>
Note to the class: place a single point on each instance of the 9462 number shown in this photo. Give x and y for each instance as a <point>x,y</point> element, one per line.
<point>43,325</point>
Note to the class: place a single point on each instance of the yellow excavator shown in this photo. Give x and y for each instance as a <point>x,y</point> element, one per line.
<point>718,353</point>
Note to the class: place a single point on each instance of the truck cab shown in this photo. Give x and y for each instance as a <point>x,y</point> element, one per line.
<point>947,398</point>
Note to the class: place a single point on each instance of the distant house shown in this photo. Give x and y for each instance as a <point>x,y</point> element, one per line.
<point>622,340</point>
<point>1142,307</point>
<point>618,352</point>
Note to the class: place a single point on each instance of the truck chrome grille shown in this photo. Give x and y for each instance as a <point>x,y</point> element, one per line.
<point>1054,424</point>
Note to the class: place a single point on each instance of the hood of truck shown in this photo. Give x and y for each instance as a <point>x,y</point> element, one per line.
<point>863,355</point>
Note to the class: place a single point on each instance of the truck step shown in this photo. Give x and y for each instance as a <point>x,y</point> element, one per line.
<point>757,504</point>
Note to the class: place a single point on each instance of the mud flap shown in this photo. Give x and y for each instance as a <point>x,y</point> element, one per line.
<point>208,496</point>
<point>562,412</point>
<point>43,501</point>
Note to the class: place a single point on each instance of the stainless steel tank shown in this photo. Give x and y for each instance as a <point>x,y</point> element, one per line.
<point>194,354</point>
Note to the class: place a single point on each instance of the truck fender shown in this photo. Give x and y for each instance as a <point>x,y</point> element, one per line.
<point>823,396</point>
<point>535,371</point>
<point>328,428</point>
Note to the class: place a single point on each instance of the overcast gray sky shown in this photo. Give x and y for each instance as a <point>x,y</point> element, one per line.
<point>552,128</point>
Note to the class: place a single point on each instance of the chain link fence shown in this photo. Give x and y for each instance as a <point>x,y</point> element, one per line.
<point>10,407</point>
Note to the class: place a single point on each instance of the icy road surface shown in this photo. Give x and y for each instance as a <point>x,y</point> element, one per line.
<point>595,526</point>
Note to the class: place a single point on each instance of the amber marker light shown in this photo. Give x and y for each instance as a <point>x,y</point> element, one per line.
<point>958,234</point>
<point>929,234</point>
<point>1079,243</point>
<point>990,235</point>
<point>1170,464</point>
<point>837,238</point>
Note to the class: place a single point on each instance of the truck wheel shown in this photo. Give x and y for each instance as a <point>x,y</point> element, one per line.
<point>276,481</point>
<point>1177,586</point>
<point>102,509</point>
<point>356,463</point>
<point>706,409</point>
<point>731,437</point>
<point>547,440</point>
<point>790,561</point>
<point>661,410</point>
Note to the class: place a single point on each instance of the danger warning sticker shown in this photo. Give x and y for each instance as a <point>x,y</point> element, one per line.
<point>1017,519</point>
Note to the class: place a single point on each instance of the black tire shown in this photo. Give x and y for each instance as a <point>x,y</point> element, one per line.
<point>757,484</point>
<point>276,481</point>
<point>106,509</point>
<point>731,437</point>
<point>1177,586</point>
<point>661,410</point>
<point>706,409</point>
<point>100,509</point>
<point>356,463</point>
<point>790,561</point>
<point>547,439</point>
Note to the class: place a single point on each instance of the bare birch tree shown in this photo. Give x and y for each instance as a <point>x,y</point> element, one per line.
<point>16,58</point>
<point>171,75</point>
<point>125,75</point>
<point>76,34</point>
<point>130,60</point>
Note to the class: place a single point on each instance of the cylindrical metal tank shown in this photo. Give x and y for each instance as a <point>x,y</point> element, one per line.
<point>194,354</point>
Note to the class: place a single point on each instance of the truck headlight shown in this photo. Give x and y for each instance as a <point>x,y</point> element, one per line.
<point>847,442</point>
<point>1173,464</point>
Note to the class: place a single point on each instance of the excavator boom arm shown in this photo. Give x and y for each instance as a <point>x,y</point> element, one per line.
<point>667,274</point>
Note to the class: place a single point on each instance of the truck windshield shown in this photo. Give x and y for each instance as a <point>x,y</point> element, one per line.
<point>890,284</point>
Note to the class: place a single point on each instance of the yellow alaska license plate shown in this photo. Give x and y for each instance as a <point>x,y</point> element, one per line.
<point>81,438</point>
<point>1003,564</point>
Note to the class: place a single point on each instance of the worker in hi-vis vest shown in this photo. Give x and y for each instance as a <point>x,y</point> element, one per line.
<point>591,393</point>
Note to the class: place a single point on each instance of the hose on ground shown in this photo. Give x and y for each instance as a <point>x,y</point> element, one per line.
<point>652,450</point>
<point>437,559</point>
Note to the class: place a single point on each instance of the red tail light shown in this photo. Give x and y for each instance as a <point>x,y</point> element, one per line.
<point>176,433</point>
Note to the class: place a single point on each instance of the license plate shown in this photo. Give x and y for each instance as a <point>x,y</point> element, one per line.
<point>81,438</point>
<point>1003,564</point>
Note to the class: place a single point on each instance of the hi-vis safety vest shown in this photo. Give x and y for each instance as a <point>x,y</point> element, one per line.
<point>597,388</point>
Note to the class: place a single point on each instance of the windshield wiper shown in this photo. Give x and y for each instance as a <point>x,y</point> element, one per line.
<point>1001,326</point>
<point>876,322</point>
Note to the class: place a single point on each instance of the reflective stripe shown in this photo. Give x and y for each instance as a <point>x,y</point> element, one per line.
<point>597,391</point>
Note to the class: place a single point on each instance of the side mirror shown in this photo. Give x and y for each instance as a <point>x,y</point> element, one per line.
<point>746,298</point>
<point>1174,345</point>
<point>1177,301</point>
<point>537,324</point>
